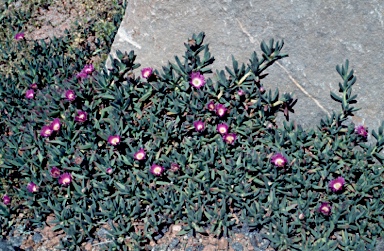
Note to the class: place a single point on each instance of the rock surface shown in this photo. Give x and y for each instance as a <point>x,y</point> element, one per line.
<point>318,36</point>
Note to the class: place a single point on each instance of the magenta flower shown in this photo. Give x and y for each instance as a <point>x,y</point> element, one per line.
<point>220,110</point>
<point>65,179</point>
<point>81,116</point>
<point>30,94</point>
<point>175,167</point>
<point>19,36</point>
<point>197,79</point>
<point>279,160</point>
<point>211,106</point>
<point>337,184</point>
<point>33,86</point>
<point>114,140</point>
<point>229,138</point>
<point>55,125</point>
<point>362,131</point>
<point>325,208</point>
<point>70,95</point>
<point>139,155</point>
<point>6,199</point>
<point>46,131</point>
<point>240,92</point>
<point>222,128</point>
<point>156,170</point>
<point>109,170</point>
<point>88,69</point>
<point>199,125</point>
<point>32,187</point>
<point>81,75</point>
<point>146,72</point>
<point>55,172</point>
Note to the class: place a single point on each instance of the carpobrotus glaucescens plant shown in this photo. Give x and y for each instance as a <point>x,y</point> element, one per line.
<point>214,160</point>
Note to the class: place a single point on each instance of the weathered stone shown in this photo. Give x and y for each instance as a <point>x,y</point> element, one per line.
<point>318,36</point>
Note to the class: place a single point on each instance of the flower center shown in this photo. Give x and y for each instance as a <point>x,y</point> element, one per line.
<point>66,181</point>
<point>56,127</point>
<point>157,170</point>
<point>140,155</point>
<point>222,130</point>
<point>221,111</point>
<point>325,209</point>
<point>196,82</point>
<point>279,162</point>
<point>337,186</point>
<point>230,139</point>
<point>114,141</point>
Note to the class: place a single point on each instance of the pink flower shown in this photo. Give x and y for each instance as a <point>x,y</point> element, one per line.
<point>337,184</point>
<point>55,172</point>
<point>30,94</point>
<point>156,170</point>
<point>46,131</point>
<point>55,125</point>
<point>32,187</point>
<point>70,95</point>
<point>19,36</point>
<point>81,116</point>
<point>197,79</point>
<point>139,155</point>
<point>279,160</point>
<point>220,110</point>
<point>114,140</point>
<point>175,167</point>
<point>222,128</point>
<point>230,138</point>
<point>65,179</point>
<point>211,106</point>
<point>33,86</point>
<point>199,125</point>
<point>88,69</point>
<point>146,72</point>
<point>240,92</point>
<point>81,75</point>
<point>325,208</point>
<point>109,170</point>
<point>362,131</point>
<point>6,200</point>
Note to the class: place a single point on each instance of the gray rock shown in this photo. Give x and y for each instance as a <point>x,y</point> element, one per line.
<point>37,237</point>
<point>173,243</point>
<point>4,246</point>
<point>15,241</point>
<point>102,233</point>
<point>380,245</point>
<point>237,246</point>
<point>318,36</point>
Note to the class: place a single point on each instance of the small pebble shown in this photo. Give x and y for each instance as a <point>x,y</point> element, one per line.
<point>174,243</point>
<point>157,237</point>
<point>37,237</point>
<point>164,230</point>
<point>16,241</point>
<point>102,233</point>
<point>237,246</point>
<point>5,246</point>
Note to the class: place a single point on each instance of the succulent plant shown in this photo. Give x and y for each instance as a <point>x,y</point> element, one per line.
<point>177,146</point>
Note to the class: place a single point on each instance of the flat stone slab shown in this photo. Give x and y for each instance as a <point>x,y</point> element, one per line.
<point>318,35</point>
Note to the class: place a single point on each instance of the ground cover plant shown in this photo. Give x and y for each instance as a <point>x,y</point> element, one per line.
<point>138,149</point>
